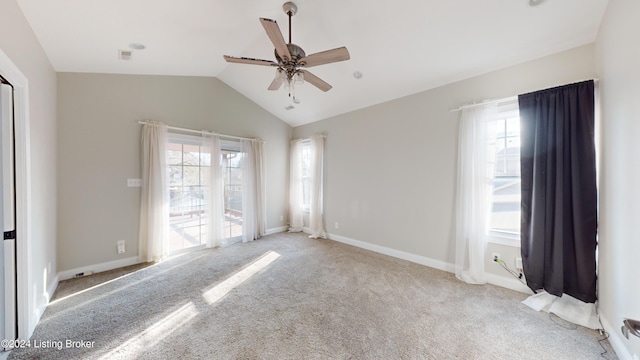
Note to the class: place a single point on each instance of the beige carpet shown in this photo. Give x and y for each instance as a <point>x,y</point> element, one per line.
<point>289,297</point>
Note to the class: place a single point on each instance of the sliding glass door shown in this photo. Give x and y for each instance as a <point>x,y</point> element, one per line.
<point>189,162</point>
<point>232,176</point>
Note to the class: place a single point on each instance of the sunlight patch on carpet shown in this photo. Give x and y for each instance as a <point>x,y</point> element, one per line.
<point>61,299</point>
<point>217,292</point>
<point>114,291</point>
<point>155,333</point>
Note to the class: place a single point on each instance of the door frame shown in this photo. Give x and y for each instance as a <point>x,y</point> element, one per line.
<point>20,84</point>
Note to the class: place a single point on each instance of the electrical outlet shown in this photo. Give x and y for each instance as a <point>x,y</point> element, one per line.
<point>120,245</point>
<point>337,225</point>
<point>495,257</point>
<point>519,263</point>
<point>281,217</point>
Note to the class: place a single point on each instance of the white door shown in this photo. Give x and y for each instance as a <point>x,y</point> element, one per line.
<point>8,324</point>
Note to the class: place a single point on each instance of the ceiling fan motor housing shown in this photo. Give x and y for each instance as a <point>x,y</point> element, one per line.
<point>292,66</point>
<point>296,53</point>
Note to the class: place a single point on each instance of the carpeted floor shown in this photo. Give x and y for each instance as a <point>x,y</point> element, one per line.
<point>289,297</point>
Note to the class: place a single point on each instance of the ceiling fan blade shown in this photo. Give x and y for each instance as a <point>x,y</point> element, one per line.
<point>273,31</point>
<point>316,81</point>
<point>246,60</point>
<point>275,84</point>
<point>325,57</point>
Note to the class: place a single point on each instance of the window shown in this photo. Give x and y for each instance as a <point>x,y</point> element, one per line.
<point>504,146</point>
<point>306,185</point>
<point>188,165</point>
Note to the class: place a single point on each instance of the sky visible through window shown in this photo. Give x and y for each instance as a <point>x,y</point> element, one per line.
<point>505,209</point>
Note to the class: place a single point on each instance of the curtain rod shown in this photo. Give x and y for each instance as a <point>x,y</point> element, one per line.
<point>512,98</point>
<point>200,131</point>
<point>467,106</point>
<point>307,139</point>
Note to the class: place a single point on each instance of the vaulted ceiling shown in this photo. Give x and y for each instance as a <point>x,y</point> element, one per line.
<point>400,48</point>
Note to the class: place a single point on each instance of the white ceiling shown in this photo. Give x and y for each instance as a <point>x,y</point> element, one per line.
<point>400,47</point>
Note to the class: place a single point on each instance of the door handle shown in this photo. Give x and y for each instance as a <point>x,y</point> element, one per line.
<point>630,327</point>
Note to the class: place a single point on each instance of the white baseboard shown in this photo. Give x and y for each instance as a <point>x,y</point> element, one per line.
<point>276,230</point>
<point>497,280</point>
<point>106,266</point>
<point>422,260</point>
<point>52,288</point>
<point>616,339</point>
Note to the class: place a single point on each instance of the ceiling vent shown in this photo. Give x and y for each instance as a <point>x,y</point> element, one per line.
<point>125,54</point>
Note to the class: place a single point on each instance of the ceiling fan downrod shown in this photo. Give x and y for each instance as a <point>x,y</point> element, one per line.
<point>290,9</point>
<point>289,13</point>
<point>291,68</point>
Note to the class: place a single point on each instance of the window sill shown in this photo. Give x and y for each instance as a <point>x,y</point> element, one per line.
<point>508,239</point>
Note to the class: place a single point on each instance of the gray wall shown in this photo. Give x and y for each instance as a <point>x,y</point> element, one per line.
<point>391,168</point>
<point>99,149</point>
<point>618,54</point>
<point>19,43</point>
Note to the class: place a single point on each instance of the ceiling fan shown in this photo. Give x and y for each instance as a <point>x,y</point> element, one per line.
<point>291,59</point>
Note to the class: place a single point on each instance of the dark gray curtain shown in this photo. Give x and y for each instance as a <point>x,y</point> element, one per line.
<point>559,209</point>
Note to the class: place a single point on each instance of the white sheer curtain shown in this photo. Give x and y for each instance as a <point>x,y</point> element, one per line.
<point>295,187</point>
<point>215,195</point>
<point>316,215</point>
<point>154,204</point>
<point>253,190</point>
<point>260,181</point>
<point>475,175</point>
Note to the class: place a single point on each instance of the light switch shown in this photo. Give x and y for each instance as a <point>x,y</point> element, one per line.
<point>134,182</point>
<point>121,248</point>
